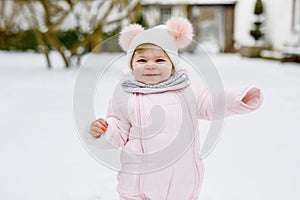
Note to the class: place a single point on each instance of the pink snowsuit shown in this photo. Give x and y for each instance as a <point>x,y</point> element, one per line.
<point>158,134</point>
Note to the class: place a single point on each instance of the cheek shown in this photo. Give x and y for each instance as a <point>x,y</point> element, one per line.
<point>136,72</point>
<point>167,70</point>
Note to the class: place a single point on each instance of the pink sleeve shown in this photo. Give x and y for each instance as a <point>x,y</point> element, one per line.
<point>118,126</point>
<point>242,99</point>
<point>239,100</point>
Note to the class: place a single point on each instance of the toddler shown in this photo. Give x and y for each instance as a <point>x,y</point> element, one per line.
<point>153,115</point>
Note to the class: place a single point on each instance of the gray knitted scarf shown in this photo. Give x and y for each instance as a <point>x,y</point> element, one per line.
<point>178,80</point>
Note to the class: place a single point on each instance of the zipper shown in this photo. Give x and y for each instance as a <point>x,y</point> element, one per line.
<point>139,120</point>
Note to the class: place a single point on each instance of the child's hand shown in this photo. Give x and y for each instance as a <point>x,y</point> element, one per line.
<point>253,97</point>
<point>98,127</point>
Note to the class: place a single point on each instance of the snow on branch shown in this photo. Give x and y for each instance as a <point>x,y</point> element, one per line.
<point>116,17</point>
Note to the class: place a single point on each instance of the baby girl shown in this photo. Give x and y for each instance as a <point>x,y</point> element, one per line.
<point>153,115</point>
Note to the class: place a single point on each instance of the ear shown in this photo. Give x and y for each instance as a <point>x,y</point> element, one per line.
<point>127,34</point>
<point>182,31</point>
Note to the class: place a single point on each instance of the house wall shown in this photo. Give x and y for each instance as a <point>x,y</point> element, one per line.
<point>152,13</point>
<point>278,23</point>
<point>180,10</point>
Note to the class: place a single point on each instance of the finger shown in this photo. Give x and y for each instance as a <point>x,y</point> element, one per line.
<point>97,124</point>
<point>95,134</point>
<point>103,122</point>
<point>95,128</point>
<point>101,130</point>
<point>104,129</point>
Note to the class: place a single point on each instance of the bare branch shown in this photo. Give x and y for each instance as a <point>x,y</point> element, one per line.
<point>122,15</point>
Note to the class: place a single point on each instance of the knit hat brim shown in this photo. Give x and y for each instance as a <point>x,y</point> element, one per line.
<point>175,35</point>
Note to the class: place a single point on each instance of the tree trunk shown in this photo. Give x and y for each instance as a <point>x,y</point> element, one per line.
<point>48,59</point>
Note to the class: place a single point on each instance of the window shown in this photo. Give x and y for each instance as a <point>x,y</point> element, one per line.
<point>210,27</point>
<point>165,14</point>
<point>296,15</point>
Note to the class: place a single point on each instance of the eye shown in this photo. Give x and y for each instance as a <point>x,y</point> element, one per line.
<point>141,61</point>
<point>160,60</point>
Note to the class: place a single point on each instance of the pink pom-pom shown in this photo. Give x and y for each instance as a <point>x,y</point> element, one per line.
<point>127,34</point>
<point>182,31</point>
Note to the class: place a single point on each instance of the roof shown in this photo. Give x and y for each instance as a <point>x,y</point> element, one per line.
<point>189,2</point>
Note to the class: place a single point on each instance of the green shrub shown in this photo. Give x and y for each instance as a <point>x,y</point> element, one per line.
<point>20,41</point>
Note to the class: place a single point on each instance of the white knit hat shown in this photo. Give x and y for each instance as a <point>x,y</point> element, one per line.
<point>176,34</point>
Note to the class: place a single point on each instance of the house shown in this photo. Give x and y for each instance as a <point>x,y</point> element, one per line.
<point>213,20</point>
<point>225,24</point>
<point>220,25</point>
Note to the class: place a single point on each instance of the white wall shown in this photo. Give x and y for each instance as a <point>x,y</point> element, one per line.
<point>278,22</point>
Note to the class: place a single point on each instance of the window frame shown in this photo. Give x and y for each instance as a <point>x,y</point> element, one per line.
<point>296,16</point>
<point>165,13</point>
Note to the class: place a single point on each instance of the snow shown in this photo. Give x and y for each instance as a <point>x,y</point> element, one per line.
<point>42,157</point>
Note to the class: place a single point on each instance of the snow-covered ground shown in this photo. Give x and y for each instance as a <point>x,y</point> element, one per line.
<point>41,156</point>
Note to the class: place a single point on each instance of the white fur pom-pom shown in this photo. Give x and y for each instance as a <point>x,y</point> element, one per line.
<point>182,31</point>
<point>127,34</point>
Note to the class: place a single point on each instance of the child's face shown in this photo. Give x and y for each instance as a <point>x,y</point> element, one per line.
<point>151,65</point>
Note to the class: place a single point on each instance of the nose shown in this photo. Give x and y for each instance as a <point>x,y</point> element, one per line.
<point>151,65</point>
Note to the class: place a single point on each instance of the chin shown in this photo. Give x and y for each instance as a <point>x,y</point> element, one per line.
<point>151,82</point>
<point>148,82</point>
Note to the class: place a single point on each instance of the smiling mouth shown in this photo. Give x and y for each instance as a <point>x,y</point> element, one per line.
<point>151,74</point>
